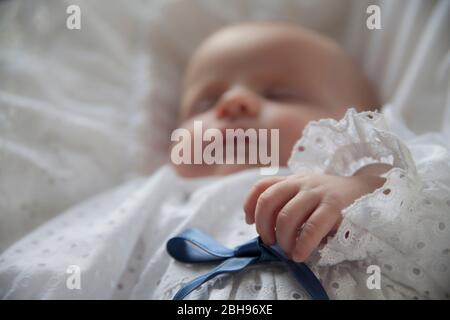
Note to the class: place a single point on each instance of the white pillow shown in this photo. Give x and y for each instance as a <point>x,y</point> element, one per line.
<point>69,106</point>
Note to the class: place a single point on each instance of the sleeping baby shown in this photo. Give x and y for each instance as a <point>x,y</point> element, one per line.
<point>279,76</point>
<point>276,76</point>
<point>358,198</point>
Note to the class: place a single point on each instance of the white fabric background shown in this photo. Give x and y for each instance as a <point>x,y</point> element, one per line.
<point>118,239</point>
<point>81,111</point>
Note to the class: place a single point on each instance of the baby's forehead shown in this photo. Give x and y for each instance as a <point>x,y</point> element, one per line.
<point>244,46</point>
<point>262,33</point>
<point>254,38</point>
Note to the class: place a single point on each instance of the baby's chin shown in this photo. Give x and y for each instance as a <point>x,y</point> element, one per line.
<point>205,170</point>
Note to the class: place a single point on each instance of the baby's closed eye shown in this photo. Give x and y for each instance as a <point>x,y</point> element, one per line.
<point>282,94</point>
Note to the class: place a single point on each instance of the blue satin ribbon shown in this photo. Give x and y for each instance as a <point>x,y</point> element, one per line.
<point>194,246</point>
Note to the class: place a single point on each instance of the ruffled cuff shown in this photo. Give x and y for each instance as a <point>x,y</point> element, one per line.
<point>341,148</point>
<point>400,227</point>
<point>370,225</point>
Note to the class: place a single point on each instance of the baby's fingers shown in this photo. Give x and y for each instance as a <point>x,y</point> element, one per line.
<point>293,216</point>
<point>269,204</point>
<point>255,192</point>
<point>319,224</point>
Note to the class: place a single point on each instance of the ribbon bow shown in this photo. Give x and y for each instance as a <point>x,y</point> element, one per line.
<point>194,246</point>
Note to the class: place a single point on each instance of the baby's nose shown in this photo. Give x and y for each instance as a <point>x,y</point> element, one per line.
<point>238,104</point>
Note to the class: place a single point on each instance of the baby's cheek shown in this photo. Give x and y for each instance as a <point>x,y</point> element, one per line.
<point>291,124</point>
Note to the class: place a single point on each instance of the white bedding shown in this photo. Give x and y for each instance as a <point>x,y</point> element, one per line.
<point>83,111</point>
<point>117,241</point>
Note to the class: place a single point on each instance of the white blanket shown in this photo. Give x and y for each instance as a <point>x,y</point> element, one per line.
<point>115,242</point>
<point>83,111</point>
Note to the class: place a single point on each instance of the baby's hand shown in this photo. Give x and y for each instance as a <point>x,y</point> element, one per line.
<point>298,211</point>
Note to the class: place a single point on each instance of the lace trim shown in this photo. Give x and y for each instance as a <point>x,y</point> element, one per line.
<point>342,147</point>
<point>356,237</point>
<point>385,227</point>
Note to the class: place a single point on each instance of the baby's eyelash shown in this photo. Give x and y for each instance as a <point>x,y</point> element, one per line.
<point>282,94</point>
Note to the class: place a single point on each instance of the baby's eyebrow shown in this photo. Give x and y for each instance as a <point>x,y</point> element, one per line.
<point>209,88</point>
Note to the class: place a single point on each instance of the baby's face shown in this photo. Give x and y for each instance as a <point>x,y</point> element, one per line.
<point>268,76</point>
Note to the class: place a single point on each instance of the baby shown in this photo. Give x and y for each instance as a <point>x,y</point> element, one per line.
<point>279,76</point>
<point>382,195</point>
